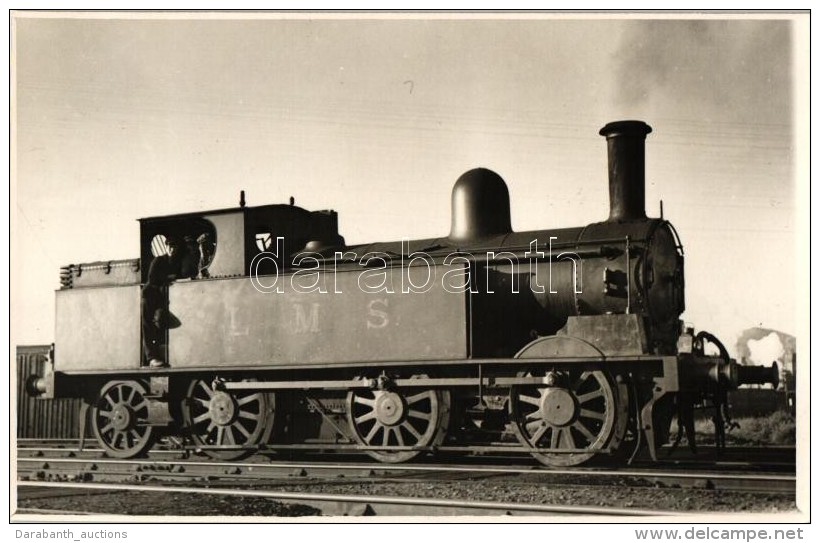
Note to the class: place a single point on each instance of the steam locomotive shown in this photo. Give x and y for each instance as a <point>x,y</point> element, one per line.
<point>563,344</point>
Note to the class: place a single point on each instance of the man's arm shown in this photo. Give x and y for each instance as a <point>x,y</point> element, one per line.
<point>159,272</point>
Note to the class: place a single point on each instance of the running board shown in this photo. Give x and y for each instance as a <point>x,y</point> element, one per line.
<point>398,448</point>
<point>373,384</point>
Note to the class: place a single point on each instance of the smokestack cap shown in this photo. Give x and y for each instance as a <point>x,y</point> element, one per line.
<point>625,128</point>
<point>481,206</point>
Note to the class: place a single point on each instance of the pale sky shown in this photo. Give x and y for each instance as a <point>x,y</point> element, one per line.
<point>122,119</point>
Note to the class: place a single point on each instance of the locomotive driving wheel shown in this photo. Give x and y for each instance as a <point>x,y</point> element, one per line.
<point>578,412</point>
<point>414,417</point>
<point>119,419</point>
<point>238,420</point>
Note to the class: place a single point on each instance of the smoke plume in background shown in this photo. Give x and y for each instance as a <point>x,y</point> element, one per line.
<point>670,55</point>
<point>764,346</point>
<point>768,348</point>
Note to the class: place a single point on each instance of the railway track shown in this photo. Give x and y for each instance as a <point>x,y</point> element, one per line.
<point>475,486</point>
<point>262,470</point>
<point>779,457</point>
<point>348,504</point>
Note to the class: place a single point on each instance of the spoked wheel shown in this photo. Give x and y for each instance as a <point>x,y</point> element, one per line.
<point>412,417</point>
<point>119,419</point>
<point>237,420</point>
<point>578,412</point>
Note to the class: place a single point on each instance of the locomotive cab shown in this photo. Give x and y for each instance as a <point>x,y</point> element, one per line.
<point>237,235</point>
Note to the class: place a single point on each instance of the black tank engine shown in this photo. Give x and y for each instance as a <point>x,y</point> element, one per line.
<point>564,344</point>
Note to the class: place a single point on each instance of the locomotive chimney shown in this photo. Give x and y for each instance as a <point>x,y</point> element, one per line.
<point>481,206</point>
<point>627,177</point>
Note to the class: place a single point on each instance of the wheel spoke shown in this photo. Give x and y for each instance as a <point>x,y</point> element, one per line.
<point>248,399</point>
<point>203,402</point>
<point>208,391</point>
<point>364,401</point>
<point>399,437</point>
<point>556,432</point>
<point>367,416</point>
<point>409,427</point>
<point>419,415</point>
<point>533,425</point>
<point>242,430</point>
<point>131,396</point>
<point>248,415</point>
<point>584,398</point>
<point>141,406</point>
<point>107,427</point>
<point>536,401</point>
<point>418,397</point>
<point>369,437</point>
<point>592,414</point>
<point>386,437</point>
<point>581,380</point>
<point>584,431</point>
<point>538,434</point>
<point>220,435</point>
<point>203,417</point>
<point>567,441</point>
<point>229,439</point>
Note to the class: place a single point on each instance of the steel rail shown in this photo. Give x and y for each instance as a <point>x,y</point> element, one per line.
<point>422,468</point>
<point>770,449</point>
<point>41,511</point>
<point>354,447</point>
<point>45,439</point>
<point>770,482</point>
<point>407,506</point>
<point>76,450</point>
<point>23,452</point>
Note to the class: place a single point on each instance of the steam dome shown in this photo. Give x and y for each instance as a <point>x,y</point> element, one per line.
<point>481,206</point>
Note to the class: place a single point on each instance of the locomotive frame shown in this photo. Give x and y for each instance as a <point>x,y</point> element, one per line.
<point>596,365</point>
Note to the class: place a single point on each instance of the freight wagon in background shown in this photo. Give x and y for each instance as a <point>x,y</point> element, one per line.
<point>42,418</point>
